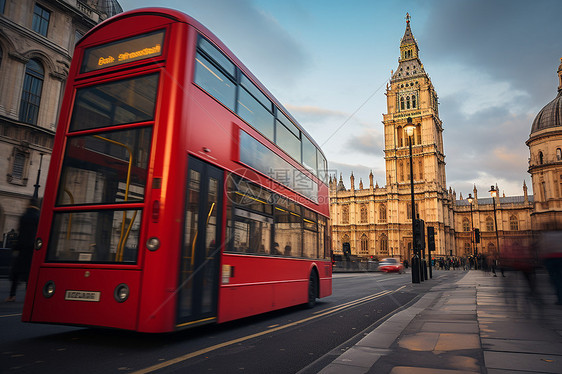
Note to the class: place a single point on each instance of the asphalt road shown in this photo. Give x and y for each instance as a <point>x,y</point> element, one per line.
<point>293,340</point>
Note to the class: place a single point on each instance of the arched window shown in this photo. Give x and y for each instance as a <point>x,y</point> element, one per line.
<point>407,102</point>
<point>402,103</point>
<point>558,150</point>
<point>491,247</point>
<point>418,134</point>
<point>345,214</point>
<point>31,94</point>
<point>364,213</point>
<point>489,224</point>
<point>382,213</point>
<point>414,101</point>
<point>384,244</point>
<point>401,135</point>
<point>467,249</point>
<point>541,158</point>
<point>513,223</point>
<point>465,224</point>
<point>420,169</point>
<point>364,245</point>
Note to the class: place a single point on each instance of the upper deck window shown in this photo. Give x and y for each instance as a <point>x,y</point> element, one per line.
<point>115,103</point>
<point>123,51</point>
<point>214,81</point>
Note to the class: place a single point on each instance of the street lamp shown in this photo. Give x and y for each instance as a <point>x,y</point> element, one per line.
<point>470,200</point>
<point>409,128</point>
<point>36,185</point>
<point>494,194</point>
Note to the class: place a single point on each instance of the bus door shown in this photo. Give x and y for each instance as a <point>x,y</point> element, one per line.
<point>200,253</point>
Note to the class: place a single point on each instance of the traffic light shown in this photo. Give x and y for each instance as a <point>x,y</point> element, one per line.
<point>477,235</point>
<point>430,238</point>
<point>419,234</point>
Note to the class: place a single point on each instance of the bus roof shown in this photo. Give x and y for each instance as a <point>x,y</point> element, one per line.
<point>178,16</point>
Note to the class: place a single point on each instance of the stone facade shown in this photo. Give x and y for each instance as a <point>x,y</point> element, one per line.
<point>377,221</point>
<point>37,39</point>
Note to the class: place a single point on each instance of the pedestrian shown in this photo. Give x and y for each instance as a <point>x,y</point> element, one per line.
<point>24,247</point>
<point>550,247</point>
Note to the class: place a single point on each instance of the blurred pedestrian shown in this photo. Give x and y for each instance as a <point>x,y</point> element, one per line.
<point>24,247</point>
<point>550,246</point>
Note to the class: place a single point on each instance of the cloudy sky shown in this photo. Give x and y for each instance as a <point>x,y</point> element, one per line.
<point>492,62</point>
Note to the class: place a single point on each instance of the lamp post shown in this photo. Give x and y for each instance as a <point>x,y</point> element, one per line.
<point>409,128</point>
<point>494,194</point>
<point>36,185</point>
<point>470,200</point>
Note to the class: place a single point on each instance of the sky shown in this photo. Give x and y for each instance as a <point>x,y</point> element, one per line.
<point>493,64</point>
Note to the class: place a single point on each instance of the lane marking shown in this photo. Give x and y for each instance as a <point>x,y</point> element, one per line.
<point>10,315</point>
<point>258,334</point>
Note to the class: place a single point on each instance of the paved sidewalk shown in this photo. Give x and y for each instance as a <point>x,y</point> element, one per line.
<point>480,324</point>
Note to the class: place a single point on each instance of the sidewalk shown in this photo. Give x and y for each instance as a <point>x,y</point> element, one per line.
<point>479,324</point>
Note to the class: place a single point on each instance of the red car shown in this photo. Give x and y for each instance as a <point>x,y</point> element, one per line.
<point>391,265</point>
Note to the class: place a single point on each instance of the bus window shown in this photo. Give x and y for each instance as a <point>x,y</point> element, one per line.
<point>101,236</point>
<point>252,232</point>
<point>216,83</point>
<point>288,232</point>
<point>253,112</point>
<point>105,168</point>
<point>116,103</point>
<point>309,155</point>
<point>288,141</point>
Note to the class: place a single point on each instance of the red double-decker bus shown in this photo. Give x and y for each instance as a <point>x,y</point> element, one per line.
<point>180,191</point>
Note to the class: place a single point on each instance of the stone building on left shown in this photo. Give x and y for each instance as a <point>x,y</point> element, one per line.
<point>37,39</point>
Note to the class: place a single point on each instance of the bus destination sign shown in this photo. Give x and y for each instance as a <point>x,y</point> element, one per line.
<point>123,51</point>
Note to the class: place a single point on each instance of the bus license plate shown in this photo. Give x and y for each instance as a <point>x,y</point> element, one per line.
<point>82,295</point>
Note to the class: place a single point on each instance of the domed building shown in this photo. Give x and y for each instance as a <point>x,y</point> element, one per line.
<point>545,163</point>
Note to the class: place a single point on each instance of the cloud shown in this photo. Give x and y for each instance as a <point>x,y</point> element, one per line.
<point>514,41</point>
<point>370,141</point>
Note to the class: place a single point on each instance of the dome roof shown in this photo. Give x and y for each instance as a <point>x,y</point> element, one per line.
<point>551,115</point>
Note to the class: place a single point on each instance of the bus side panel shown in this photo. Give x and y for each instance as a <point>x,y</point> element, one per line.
<point>325,274</point>
<point>106,312</point>
<point>261,284</point>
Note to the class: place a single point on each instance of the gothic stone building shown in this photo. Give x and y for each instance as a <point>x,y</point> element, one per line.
<point>377,221</point>
<point>37,39</point>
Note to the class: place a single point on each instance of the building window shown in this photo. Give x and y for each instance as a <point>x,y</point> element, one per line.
<point>364,213</point>
<point>541,158</point>
<point>382,213</point>
<point>384,244</point>
<point>467,249</point>
<point>418,134</point>
<point>414,101</point>
<point>345,215</point>
<point>401,103</point>
<point>513,223</point>
<point>364,245</point>
<point>558,154</point>
<point>31,94</point>
<point>489,224</point>
<point>465,225</point>
<point>18,167</point>
<point>2,6</point>
<point>1,55</point>
<point>41,20</point>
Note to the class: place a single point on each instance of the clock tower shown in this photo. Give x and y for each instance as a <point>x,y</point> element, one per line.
<point>411,97</point>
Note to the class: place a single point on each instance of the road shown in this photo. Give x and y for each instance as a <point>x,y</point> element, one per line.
<point>293,340</point>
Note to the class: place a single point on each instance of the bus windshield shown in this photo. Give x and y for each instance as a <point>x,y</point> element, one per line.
<point>101,168</point>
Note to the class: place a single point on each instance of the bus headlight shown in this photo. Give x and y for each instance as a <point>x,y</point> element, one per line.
<point>121,293</point>
<point>38,243</point>
<point>49,289</point>
<point>153,244</point>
